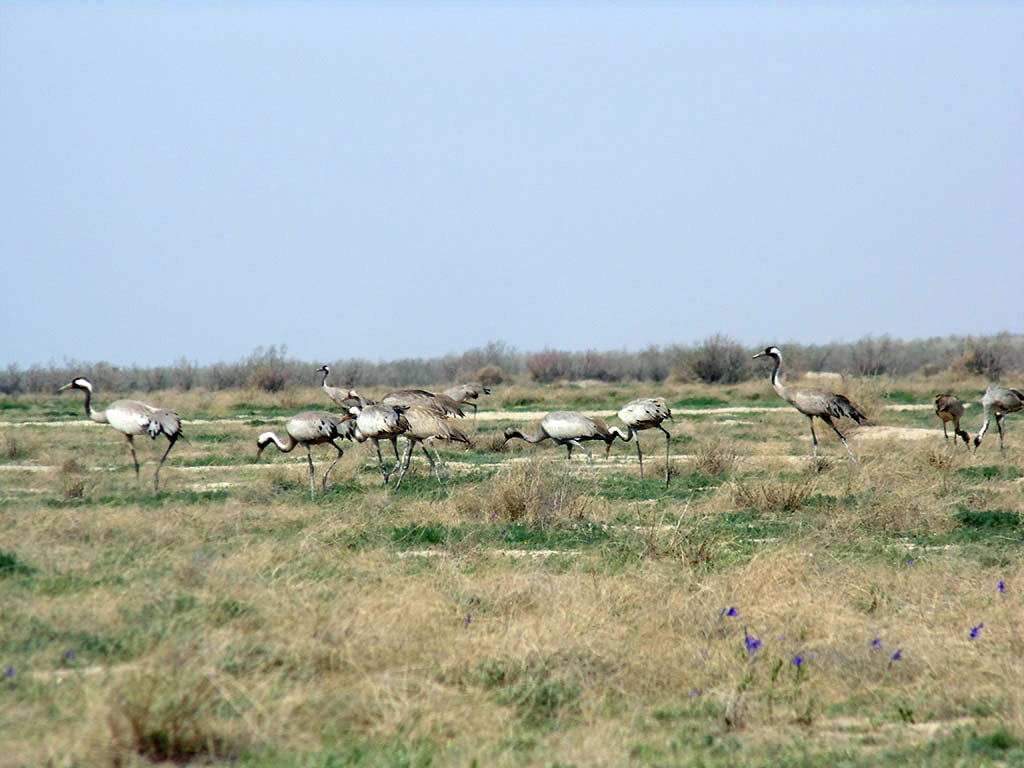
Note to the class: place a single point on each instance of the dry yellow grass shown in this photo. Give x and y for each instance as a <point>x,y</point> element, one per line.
<point>514,621</point>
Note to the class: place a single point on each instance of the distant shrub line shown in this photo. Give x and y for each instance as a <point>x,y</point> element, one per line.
<point>717,359</point>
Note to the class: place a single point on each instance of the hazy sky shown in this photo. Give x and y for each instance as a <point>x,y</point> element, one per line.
<point>408,179</point>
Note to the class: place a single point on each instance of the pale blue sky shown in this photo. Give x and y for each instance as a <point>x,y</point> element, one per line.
<point>389,180</point>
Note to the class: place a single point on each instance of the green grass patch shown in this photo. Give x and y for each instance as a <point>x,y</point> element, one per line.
<point>10,565</point>
<point>990,472</point>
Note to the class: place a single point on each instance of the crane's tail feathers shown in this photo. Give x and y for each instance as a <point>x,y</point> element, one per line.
<point>842,406</point>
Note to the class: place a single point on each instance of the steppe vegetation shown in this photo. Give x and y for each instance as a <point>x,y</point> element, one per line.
<point>762,610</point>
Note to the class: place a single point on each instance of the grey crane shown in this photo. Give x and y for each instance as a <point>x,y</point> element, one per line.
<point>376,422</point>
<point>812,402</point>
<point>307,429</point>
<point>130,418</point>
<point>949,408</point>
<point>344,399</point>
<point>441,403</point>
<point>467,394</point>
<point>571,429</point>
<point>426,424</point>
<point>646,413</point>
<point>999,401</point>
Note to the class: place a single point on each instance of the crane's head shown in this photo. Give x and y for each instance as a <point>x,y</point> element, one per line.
<point>769,352</point>
<point>79,383</point>
<point>323,369</point>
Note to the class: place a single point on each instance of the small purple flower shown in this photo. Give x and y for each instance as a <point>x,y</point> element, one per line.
<point>730,611</point>
<point>910,563</point>
<point>876,644</point>
<point>753,644</point>
<point>975,631</point>
<point>704,653</point>
<point>469,618</point>
<point>1002,586</point>
<point>694,693</point>
<point>895,657</point>
<point>494,516</point>
<point>504,534</point>
<point>69,655</point>
<point>9,672</point>
<point>798,661</point>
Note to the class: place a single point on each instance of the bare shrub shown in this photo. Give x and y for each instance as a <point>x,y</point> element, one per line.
<point>716,458</point>
<point>548,366</point>
<point>9,446</point>
<point>989,357</point>
<point>527,491</point>
<point>494,443</point>
<point>490,375</point>
<point>780,495</point>
<point>267,369</point>
<point>720,360</point>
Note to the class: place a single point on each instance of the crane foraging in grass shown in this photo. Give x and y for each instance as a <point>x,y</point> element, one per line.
<point>376,422</point>
<point>812,402</point>
<point>344,399</point>
<point>949,408</point>
<point>571,429</point>
<point>307,429</point>
<point>646,413</point>
<point>999,401</point>
<point>425,425</point>
<point>130,418</point>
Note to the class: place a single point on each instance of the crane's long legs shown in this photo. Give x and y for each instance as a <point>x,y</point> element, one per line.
<point>431,460</point>
<point>667,438</point>
<point>593,469</point>
<point>999,423</point>
<point>312,487</point>
<point>323,485</point>
<point>131,445</point>
<point>945,434</point>
<point>405,462</point>
<point>828,421</point>
<point>640,456</point>
<point>380,460</point>
<point>156,475</point>
<point>814,437</point>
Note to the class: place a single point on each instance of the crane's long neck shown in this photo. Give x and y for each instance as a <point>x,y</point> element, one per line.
<point>266,438</point>
<point>100,417</point>
<point>536,437</point>
<point>323,381</point>
<point>618,431</point>
<point>777,379</point>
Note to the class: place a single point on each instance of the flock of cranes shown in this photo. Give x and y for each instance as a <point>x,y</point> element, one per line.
<point>422,417</point>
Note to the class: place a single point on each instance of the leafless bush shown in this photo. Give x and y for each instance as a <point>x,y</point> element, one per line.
<point>781,495</point>
<point>548,366</point>
<point>720,360</point>
<point>529,491</point>
<point>490,375</point>
<point>266,369</point>
<point>989,357</point>
<point>716,458</point>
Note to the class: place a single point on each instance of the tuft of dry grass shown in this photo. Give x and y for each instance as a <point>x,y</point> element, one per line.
<point>716,457</point>
<point>527,491</point>
<point>773,496</point>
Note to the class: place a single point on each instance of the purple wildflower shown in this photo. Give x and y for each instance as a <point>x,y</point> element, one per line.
<point>910,563</point>
<point>730,611</point>
<point>704,653</point>
<point>69,655</point>
<point>494,516</point>
<point>798,661</point>
<point>876,644</point>
<point>895,657</point>
<point>9,672</point>
<point>976,630</point>
<point>1002,586</point>
<point>753,644</point>
<point>694,693</point>
<point>469,618</point>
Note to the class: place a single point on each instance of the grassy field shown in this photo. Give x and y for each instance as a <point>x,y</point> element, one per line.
<point>762,610</point>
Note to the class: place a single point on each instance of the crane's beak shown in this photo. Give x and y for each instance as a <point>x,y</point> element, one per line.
<point>66,386</point>
<point>759,354</point>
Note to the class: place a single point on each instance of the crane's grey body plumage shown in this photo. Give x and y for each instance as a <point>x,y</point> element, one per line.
<point>131,418</point>
<point>998,401</point>
<point>426,424</point>
<point>949,408</point>
<point>811,402</point>
<point>571,429</point>
<point>307,429</point>
<point>440,403</point>
<point>467,394</point>
<point>376,422</point>
<point>646,413</point>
